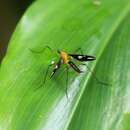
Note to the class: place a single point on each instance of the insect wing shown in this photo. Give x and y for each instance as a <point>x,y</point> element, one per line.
<point>82,57</point>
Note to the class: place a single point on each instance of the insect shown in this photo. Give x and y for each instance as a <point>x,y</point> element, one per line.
<point>67,59</point>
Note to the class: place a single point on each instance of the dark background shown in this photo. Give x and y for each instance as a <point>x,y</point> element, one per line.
<point>10,14</point>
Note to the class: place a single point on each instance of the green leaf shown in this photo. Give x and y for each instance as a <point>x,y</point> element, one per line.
<point>101,30</point>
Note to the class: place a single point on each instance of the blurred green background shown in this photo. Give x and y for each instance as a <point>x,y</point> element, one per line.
<point>10,14</point>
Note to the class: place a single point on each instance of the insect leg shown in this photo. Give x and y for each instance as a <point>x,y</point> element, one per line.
<point>74,67</point>
<point>67,74</point>
<point>46,73</point>
<point>41,51</point>
<point>94,75</point>
<point>57,66</point>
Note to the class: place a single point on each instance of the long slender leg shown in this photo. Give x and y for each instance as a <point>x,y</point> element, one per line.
<point>57,66</point>
<point>46,73</point>
<point>67,74</point>
<point>74,67</point>
<point>94,75</point>
<point>41,51</point>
